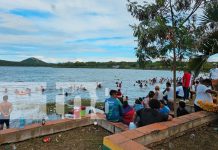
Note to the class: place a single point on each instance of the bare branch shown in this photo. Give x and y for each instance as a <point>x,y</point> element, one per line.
<point>197,5</point>
<point>172,14</point>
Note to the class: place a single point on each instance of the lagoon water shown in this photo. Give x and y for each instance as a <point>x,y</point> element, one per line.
<point>55,79</point>
<point>52,77</point>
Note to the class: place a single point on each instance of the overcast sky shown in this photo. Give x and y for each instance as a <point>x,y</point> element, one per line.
<point>66,30</point>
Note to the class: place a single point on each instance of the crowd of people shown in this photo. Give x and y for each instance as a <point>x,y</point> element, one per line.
<point>145,111</point>
<point>153,81</point>
<point>158,105</point>
<point>155,107</point>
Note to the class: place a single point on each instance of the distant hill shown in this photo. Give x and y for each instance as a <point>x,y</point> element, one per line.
<point>27,62</point>
<point>33,62</point>
<point>7,63</point>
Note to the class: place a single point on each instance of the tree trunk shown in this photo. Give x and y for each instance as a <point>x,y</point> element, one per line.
<point>174,80</point>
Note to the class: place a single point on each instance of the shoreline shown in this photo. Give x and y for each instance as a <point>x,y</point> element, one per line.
<point>56,67</point>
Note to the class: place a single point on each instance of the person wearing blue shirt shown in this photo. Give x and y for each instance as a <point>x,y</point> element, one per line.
<point>113,108</point>
<point>164,109</point>
<point>138,105</point>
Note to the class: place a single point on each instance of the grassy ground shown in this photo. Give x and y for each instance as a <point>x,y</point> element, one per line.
<point>68,107</point>
<point>204,138</point>
<point>84,138</point>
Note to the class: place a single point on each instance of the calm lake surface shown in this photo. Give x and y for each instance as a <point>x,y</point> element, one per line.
<point>57,81</point>
<point>107,77</point>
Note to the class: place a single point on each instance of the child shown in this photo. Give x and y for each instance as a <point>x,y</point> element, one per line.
<point>179,91</point>
<point>164,109</point>
<point>181,110</point>
<point>138,105</point>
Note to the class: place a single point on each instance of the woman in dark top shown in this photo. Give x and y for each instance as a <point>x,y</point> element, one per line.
<point>150,115</point>
<point>182,110</point>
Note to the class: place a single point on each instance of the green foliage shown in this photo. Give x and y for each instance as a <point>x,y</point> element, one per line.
<point>158,65</point>
<point>208,37</point>
<point>163,26</point>
<point>170,29</point>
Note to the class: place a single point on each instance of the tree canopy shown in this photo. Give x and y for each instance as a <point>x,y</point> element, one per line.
<point>167,25</point>
<point>208,38</point>
<point>173,30</point>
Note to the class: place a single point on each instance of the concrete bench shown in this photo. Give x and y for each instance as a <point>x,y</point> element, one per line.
<point>141,138</point>
<point>36,130</point>
<point>113,127</point>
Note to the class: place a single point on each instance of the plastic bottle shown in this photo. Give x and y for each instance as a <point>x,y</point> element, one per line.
<point>132,125</point>
<point>106,107</point>
<point>95,123</point>
<point>22,122</point>
<point>43,121</point>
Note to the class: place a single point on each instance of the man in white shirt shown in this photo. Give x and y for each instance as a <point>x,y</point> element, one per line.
<point>158,94</point>
<point>214,77</point>
<point>179,91</point>
<point>169,95</point>
<point>203,93</point>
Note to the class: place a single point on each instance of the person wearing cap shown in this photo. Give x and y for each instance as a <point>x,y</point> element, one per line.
<point>5,111</point>
<point>214,77</point>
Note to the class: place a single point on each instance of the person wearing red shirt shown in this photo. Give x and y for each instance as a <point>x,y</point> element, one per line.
<point>186,80</point>
<point>119,93</point>
<point>128,113</point>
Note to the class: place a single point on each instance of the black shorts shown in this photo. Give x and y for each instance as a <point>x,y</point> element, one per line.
<point>5,121</point>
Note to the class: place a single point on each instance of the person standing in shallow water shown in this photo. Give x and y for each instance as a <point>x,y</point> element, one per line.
<point>5,111</point>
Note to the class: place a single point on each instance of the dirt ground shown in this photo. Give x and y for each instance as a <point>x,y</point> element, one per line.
<point>204,138</point>
<point>84,138</point>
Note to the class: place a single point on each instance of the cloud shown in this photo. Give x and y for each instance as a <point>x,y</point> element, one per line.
<point>213,58</point>
<point>96,39</point>
<point>78,29</point>
<point>82,59</point>
<point>64,30</point>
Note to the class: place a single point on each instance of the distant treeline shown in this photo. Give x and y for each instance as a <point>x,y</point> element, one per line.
<point>158,65</point>
<point>123,65</point>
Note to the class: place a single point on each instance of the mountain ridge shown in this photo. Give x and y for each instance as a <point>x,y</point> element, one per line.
<point>32,61</point>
